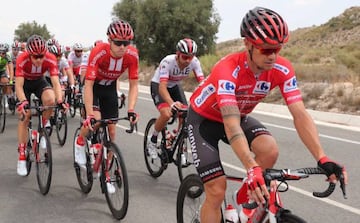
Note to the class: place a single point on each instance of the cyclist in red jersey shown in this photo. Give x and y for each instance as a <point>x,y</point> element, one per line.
<point>237,83</point>
<point>107,61</point>
<point>29,78</point>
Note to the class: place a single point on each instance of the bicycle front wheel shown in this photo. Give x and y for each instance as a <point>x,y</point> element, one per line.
<point>84,174</point>
<point>61,127</point>
<point>2,113</point>
<point>114,173</point>
<point>189,199</point>
<point>44,162</point>
<point>288,217</point>
<point>184,158</point>
<point>155,166</point>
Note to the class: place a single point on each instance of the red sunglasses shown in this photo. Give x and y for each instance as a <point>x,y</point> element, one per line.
<point>186,57</point>
<point>268,52</point>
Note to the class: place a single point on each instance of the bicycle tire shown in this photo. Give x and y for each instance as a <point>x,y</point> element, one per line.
<point>72,109</point>
<point>2,114</point>
<point>155,166</point>
<point>189,199</point>
<point>118,201</point>
<point>183,148</point>
<point>288,217</point>
<point>28,156</point>
<point>84,176</point>
<point>61,127</point>
<point>44,162</point>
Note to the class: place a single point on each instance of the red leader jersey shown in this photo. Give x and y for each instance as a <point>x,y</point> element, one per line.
<point>105,69</point>
<point>25,68</point>
<point>231,82</point>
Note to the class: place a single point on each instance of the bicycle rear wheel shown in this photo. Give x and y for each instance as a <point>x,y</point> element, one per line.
<point>114,172</point>
<point>61,127</point>
<point>43,162</point>
<point>2,113</point>
<point>189,199</point>
<point>184,158</point>
<point>155,166</point>
<point>83,173</point>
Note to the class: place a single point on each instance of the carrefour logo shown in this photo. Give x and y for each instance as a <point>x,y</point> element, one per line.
<point>290,85</point>
<point>226,87</point>
<point>262,87</point>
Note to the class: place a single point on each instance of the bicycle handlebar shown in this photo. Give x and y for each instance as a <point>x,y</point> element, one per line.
<point>175,111</point>
<point>284,175</point>
<point>38,108</point>
<point>133,126</point>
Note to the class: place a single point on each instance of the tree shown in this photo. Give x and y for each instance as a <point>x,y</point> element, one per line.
<point>25,30</point>
<point>160,24</point>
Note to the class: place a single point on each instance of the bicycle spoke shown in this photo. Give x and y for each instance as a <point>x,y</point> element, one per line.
<point>44,163</point>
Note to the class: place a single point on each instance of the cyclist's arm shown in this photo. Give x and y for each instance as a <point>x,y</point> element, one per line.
<point>10,67</point>
<point>89,96</point>
<point>19,88</point>
<point>57,87</point>
<point>306,129</point>
<point>236,136</point>
<point>133,93</point>
<point>70,75</point>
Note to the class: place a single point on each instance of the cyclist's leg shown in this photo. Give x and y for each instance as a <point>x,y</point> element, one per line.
<point>207,162</point>
<point>261,142</point>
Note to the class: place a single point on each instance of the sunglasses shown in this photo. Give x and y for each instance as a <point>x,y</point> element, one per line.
<point>38,56</point>
<point>186,57</point>
<point>268,52</point>
<point>59,56</point>
<point>2,53</point>
<point>121,42</point>
<point>78,51</point>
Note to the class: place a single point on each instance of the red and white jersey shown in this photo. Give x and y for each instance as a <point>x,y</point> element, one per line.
<point>84,61</point>
<point>168,70</point>
<point>63,65</point>
<point>75,62</point>
<point>105,69</point>
<point>25,68</point>
<point>231,82</point>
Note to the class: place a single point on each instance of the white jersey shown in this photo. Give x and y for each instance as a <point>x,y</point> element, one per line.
<point>168,70</point>
<point>62,65</point>
<point>84,61</point>
<point>74,60</point>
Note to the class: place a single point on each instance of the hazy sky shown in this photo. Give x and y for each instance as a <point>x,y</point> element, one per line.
<point>85,21</point>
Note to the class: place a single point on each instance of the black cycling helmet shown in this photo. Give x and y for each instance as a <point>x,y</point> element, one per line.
<point>262,25</point>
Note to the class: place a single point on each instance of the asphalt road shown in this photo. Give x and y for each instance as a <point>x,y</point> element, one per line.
<point>154,200</point>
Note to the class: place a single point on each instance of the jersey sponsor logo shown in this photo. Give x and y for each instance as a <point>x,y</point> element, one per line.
<point>282,68</point>
<point>206,92</point>
<point>290,85</point>
<point>236,72</point>
<point>262,87</point>
<point>196,158</point>
<point>226,87</point>
<point>97,56</point>
<point>293,98</point>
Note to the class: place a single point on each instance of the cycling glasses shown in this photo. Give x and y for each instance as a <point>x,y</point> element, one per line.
<point>78,51</point>
<point>38,56</point>
<point>186,57</point>
<point>268,51</point>
<point>121,42</point>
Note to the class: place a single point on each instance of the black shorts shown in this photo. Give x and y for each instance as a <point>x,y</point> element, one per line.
<point>36,87</point>
<point>176,93</point>
<point>106,100</point>
<point>204,136</point>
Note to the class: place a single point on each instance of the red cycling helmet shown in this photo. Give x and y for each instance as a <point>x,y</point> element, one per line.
<point>187,46</point>
<point>121,30</point>
<point>262,25</point>
<point>36,45</point>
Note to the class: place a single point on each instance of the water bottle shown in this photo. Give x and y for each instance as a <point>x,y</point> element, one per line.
<point>231,215</point>
<point>183,159</point>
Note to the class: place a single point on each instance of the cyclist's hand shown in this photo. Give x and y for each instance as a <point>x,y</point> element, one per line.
<point>133,116</point>
<point>11,81</point>
<point>72,88</point>
<point>176,105</point>
<point>63,105</point>
<point>21,107</point>
<point>334,171</point>
<point>87,122</point>
<point>256,185</point>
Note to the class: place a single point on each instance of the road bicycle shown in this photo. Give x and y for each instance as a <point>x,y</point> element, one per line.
<point>171,147</point>
<point>3,101</point>
<point>104,162</point>
<point>75,100</point>
<point>191,195</point>
<point>38,148</point>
